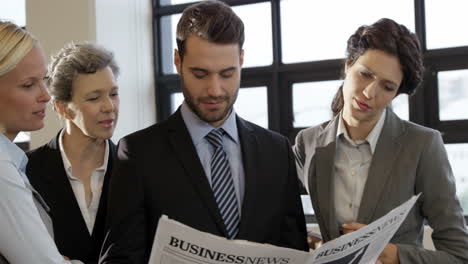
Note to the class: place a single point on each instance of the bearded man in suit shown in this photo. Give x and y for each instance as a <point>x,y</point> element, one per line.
<point>205,166</point>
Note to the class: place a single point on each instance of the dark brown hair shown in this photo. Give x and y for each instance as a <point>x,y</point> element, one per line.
<point>210,20</point>
<point>393,38</point>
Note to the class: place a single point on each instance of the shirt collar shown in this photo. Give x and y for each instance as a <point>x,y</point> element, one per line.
<point>373,136</point>
<point>198,128</point>
<point>17,156</point>
<point>66,161</point>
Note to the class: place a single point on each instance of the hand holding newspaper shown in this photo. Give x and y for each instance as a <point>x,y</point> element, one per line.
<point>176,243</point>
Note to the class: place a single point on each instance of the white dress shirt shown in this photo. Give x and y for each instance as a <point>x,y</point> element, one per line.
<point>23,235</point>
<point>352,162</point>
<point>97,180</point>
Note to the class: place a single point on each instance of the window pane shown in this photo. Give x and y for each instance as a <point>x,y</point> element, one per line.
<point>251,104</point>
<point>307,205</point>
<point>318,30</point>
<point>258,44</point>
<point>168,42</point>
<point>176,100</point>
<point>14,11</point>
<point>175,2</point>
<point>400,106</point>
<point>445,22</point>
<point>458,157</point>
<point>312,102</point>
<point>453,94</point>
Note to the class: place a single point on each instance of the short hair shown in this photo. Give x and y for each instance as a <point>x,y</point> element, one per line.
<point>393,38</point>
<point>74,59</point>
<point>214,21</point>
<point>15,43</point>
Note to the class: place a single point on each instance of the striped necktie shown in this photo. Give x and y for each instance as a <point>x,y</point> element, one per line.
<point>222,184</point>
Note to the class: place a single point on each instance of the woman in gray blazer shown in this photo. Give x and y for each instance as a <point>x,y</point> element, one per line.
<point>366,161</point>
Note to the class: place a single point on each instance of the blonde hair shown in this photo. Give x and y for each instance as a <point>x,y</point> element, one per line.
<point>15,43</point>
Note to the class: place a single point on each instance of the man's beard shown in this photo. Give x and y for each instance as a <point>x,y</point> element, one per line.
<point>207,116</point>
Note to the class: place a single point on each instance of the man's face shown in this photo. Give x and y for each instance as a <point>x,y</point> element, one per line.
<point>210,74</point>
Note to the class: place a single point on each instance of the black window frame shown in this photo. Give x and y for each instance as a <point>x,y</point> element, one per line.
<point>279,77</point>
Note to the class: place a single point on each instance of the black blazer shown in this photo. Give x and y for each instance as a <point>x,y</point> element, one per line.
<point>158,172</point>
<point>47,175</point>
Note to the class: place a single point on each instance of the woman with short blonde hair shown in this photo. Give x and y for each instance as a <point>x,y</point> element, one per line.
<point>25,227</point>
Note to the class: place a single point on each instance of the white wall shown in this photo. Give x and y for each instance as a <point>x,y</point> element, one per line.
<point>122,26</point>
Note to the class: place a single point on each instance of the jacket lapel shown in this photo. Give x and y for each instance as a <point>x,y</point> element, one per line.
<point>98,229</point>
<point>322,184</point>
<point>182,143</point>
<point>249,148</point>
<point>386,151</point>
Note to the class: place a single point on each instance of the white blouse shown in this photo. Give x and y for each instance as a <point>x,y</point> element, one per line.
<point>97,180</point>
<point>352,162</point>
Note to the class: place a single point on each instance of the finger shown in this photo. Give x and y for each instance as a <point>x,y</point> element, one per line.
<point>353,226</point>
<point>317,244</point>
<point>314,242</point>
<point>347,231</point>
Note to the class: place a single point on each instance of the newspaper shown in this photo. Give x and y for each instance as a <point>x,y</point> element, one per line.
<point>176,243</point>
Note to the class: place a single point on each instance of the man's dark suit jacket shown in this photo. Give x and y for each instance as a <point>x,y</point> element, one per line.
<point>47,175</point>
<point>158,172</point>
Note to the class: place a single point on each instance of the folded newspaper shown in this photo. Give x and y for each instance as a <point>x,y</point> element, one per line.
<point>176,243</point>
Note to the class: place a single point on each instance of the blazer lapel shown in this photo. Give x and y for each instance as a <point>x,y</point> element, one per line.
<point>249,148</point>
<point>386,151</point>
<point>98,229</point>
<point>182,143</point>
<point>322,184</point>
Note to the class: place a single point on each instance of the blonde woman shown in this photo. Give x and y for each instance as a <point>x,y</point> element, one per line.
<point>25,227</point>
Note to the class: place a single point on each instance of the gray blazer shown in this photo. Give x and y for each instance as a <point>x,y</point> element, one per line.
<point>408,159</point>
